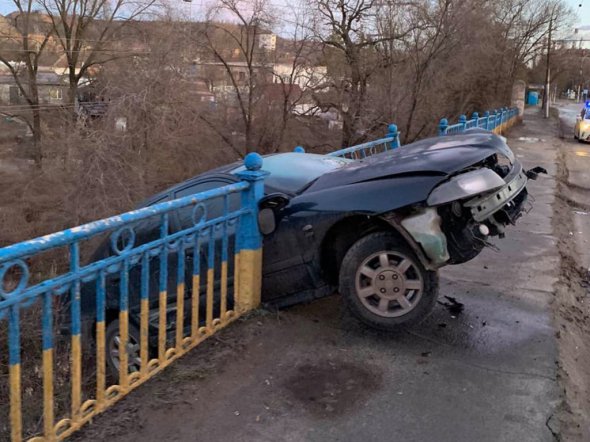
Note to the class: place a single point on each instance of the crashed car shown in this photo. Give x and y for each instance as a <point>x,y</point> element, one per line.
<point>582,126</point>
<point>376,229</point>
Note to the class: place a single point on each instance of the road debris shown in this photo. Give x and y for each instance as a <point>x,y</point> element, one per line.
<point>453,306</point>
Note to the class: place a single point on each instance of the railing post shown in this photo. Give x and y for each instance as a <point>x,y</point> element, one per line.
<point>495,114</point>
<point>248,258</point>
<point>463,122</point>
<point>442,126</point>
<point>486,115</point>
<point>475,118</point>
<point>393,133</point>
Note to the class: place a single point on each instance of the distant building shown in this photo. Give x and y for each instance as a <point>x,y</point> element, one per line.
<point>267,42</point>
<point>305,77</point>
<point>578,39</point>
<point>52,88</point>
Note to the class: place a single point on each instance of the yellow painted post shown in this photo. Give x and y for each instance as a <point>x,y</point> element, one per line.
<point>249,239</point>
<point>14,374</point>
<point>76,352</point>
<point>100,342</point>
<point>48,412</point>
<point>15,403</point>
<point>250,263</point>
<point>195,301</point>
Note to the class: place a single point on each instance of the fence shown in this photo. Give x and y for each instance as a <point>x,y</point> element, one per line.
<point>496,121</point>
<point>112,283</point>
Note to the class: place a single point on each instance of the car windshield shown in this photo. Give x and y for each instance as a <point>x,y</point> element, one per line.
<point>586,113</point>
<point>291,172</point>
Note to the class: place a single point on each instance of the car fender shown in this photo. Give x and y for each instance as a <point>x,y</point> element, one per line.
<point>426,237</point>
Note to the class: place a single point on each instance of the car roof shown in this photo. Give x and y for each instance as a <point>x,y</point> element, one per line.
<point>289,172</point>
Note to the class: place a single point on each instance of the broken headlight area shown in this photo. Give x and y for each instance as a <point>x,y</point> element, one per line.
<point>469,221</point>
<point>466,185</point>
<point>502,165</point>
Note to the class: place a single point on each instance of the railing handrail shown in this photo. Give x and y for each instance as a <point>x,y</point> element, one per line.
<point>490,120</point>
<point>85,231</point>
<point>363,146</point>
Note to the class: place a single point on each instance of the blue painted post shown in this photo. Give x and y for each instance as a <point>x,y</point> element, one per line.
<point>475,118</point>
<point>486,115</point>
<point>495,114</point>
<point>393,133</point>
<point>299,149</point>
<point>249,239</point>
<point>463,122</point>
<point>442,126</point>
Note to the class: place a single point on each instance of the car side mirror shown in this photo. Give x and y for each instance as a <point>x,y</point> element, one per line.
<point>275,201</point>
<point>267,221</point>
<point>269,206</point>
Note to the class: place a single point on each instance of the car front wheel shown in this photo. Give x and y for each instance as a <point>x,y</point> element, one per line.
<point>384,284</point>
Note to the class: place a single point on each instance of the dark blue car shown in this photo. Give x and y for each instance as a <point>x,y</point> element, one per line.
<point>376,229</point>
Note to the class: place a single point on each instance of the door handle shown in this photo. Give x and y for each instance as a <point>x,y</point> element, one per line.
<point>308,230</point>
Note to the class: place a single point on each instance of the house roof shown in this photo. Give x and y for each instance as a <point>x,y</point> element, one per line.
<point>43,79</point>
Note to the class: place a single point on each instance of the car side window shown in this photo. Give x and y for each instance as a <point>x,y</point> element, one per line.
<point>214,206</point>
<point>148,229</point>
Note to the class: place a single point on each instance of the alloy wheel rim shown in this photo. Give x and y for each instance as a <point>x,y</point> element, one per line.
<point>389,284</point>
<point>133,356</point>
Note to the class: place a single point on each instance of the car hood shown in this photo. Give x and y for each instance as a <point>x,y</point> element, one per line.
<point>438,156</point>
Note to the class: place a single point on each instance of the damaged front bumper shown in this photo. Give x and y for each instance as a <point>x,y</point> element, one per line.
<point>484,207</point>
<point>494,203</point>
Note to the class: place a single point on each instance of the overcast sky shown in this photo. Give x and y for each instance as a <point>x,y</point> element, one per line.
<point>582,12</point>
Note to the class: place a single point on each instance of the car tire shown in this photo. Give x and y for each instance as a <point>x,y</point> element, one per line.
<point>384,284</point>
<point>112,348</point>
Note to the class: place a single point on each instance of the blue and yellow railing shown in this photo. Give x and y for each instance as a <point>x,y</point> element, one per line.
<point>203,236</point>
<point>496,121</point>
<point>391,141</point>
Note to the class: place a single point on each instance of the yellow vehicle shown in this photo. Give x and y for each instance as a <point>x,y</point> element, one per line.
<point>582,127</point>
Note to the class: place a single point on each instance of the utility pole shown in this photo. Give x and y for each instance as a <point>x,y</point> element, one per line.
<point>548,71</point>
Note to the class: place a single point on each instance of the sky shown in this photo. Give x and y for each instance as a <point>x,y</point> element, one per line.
<point>583,12</point>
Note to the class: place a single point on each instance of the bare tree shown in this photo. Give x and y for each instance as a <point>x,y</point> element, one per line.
<point>524,28</point>
<point>235,46</point>
<point>87,29</point>
<point>27,41</point>
<point>349,30</point>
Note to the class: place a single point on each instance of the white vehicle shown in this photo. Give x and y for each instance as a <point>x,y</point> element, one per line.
<point>582,127</point>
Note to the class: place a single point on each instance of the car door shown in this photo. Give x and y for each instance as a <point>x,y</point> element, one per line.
<point>284,267</point>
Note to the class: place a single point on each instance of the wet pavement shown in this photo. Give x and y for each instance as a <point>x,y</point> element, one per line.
<point>312,373</point>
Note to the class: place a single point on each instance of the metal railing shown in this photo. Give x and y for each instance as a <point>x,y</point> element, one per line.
<point>391,141</point>
<point>495,121</point>
<point>191,251</point>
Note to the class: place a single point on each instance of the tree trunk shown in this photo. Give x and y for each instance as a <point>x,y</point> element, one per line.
<point>37,151</point>
<point>72,93</point>
<point>36,113</point>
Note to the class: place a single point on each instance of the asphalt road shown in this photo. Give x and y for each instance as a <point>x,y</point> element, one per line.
<point>311,373</point>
